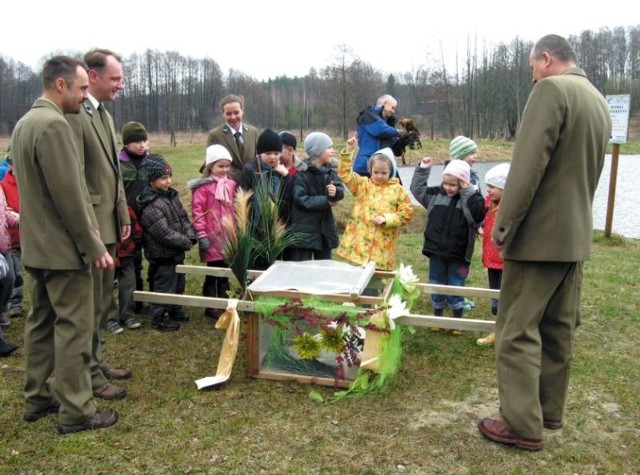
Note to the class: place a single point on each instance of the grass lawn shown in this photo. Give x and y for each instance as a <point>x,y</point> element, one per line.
<point>424,424</point>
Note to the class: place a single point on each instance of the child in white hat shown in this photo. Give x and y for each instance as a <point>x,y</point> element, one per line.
<point>494,179</point>
<point>381,207</point>
<point>211,204</point>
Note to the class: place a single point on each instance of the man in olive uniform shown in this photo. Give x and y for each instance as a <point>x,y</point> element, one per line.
<point>96,140</point>
<point>238,137</point>
<point>60,240</point>
<point>544,229</point>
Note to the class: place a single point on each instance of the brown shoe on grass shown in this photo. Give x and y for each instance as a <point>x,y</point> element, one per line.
<point>497,431</point>
<point>115,373</point>
<point>100,420</point>
<point>109,391</point>
<point>552,425</point>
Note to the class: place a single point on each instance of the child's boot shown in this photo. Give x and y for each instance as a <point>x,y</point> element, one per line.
<point>210,289</point>
<point>438,312</point>
<point>178,314</point>
<point>487,340</point>
<point>6,348</point>
<point>457,313</point>
<point>164,323</point>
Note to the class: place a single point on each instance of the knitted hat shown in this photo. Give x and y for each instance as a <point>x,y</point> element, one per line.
<point>387,152</point>
<point>497,176</point>
<point>461,147</point>
<point>133,132</point>
<point>288,139</point>
<point>315,143</point>
<point>156,167</point>
<point>458,168</point>
<point>216,152</point>
<point>269,141</point>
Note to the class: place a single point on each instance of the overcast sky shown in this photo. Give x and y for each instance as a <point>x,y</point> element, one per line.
<point>269,38</point>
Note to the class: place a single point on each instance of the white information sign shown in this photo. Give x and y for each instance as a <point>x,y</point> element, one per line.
<point>619,109</point>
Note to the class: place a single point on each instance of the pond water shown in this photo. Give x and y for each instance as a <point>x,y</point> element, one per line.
<point>626,211</point>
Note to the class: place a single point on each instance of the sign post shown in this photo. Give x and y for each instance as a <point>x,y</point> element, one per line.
<point>619,110</point>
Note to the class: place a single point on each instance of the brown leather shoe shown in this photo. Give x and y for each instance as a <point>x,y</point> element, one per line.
<point>497,431</point>
<point>109,391</point>
<point>100,420</point>
<point>115,373</point>
<point>552,425</point>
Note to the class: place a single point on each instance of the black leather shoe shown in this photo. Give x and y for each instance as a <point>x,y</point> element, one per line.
<point>53,408</point>
<point>7,348</point>
<point>99,420</point>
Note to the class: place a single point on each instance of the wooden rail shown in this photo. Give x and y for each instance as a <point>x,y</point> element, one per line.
<point>248,306</point>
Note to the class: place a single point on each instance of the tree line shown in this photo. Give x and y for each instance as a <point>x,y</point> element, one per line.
<point>482,95</point>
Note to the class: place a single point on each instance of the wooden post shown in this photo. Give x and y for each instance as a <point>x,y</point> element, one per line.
<point>612,189</point>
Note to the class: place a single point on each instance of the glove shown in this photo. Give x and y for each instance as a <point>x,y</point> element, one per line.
<point>203,243</point>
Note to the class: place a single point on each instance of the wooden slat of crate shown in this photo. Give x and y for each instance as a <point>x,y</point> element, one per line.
<point>457,290</point>
<point>343,383</point>
<point>466,324</point>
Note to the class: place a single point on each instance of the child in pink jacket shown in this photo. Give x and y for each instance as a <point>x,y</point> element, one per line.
<point>212,204</point>
<point>8,219</point>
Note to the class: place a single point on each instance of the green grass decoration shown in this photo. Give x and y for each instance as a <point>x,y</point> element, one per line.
<point>308,325</point>
<point>258,231</point>
<point>272,236</point>
<point>239,247</point>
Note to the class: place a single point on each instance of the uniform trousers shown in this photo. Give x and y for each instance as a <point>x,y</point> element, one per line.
<point>58,332</point>
<point>104,307</point>
<point>538,314</point>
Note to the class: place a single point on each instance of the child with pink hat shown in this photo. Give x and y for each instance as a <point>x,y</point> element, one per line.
<point>455,210</point>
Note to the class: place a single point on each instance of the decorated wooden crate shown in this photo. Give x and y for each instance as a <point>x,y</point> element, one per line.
<point>309,320</point>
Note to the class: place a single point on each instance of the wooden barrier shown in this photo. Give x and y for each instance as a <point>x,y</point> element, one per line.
<point>408,319</point>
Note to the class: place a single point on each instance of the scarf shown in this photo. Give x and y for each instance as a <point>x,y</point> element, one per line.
<point>223,192</point>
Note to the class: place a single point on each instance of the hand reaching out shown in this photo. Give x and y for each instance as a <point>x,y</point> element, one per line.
<point>351,141</point>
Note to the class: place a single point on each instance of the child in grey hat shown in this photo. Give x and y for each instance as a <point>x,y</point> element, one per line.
<point>316,190</point>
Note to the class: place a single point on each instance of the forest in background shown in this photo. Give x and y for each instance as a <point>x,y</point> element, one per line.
<point>482,96</point>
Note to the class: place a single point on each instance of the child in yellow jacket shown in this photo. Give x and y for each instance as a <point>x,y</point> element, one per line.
<point>381,206</point>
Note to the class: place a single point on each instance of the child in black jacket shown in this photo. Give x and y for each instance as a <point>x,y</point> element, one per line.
<point>167,234</point>
<point>455,209</point>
